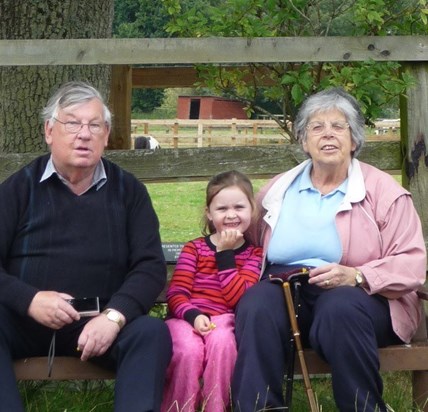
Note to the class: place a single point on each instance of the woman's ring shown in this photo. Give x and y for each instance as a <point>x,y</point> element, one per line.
<point>327,282</point>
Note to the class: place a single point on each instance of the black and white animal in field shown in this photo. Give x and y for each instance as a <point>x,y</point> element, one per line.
<point>146,142</point>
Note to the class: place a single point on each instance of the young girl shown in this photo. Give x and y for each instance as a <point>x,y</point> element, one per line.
<point>211,274</point>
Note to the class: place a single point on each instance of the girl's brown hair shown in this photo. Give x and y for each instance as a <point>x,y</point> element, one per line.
<point>222,181</point>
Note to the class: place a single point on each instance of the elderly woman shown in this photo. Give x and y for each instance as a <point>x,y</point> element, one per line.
<point>358,231</point>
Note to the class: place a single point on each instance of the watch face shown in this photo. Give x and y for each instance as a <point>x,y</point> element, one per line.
<point>113,316</point>
<point>358,279</point>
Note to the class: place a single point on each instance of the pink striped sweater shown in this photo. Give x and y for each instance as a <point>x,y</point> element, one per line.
<point>210,282</point>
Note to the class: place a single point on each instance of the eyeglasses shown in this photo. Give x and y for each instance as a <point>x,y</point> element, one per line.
<point>76,127</point>
<point>318,128</point>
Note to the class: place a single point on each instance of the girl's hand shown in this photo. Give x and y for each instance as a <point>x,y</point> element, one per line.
<point>229,239</point>
<point>203,325</point>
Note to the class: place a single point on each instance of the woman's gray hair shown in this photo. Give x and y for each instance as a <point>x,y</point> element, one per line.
<point>334,98</point>
<point>72,93</point>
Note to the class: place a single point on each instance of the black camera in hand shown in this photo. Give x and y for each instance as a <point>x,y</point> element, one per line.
<point>86,306</point>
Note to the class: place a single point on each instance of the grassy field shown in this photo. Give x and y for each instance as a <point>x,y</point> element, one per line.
<point>98,396</point>
<point>180,207</point>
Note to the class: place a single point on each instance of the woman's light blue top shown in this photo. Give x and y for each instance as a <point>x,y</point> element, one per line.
<point>306,231</point>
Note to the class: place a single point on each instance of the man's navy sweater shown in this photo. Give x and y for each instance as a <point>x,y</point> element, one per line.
<point>103,243</point>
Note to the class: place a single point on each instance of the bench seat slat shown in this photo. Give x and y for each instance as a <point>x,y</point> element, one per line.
<point>64,368</point>
<point>393,358</point>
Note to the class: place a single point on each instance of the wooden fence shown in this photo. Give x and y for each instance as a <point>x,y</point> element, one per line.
<point>410,51</point>
<point>185,133</point>
<point>176,133</point>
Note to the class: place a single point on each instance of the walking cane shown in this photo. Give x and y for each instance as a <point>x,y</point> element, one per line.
<point>296,333</point>
<point>290,371</point>
<point>292,355</point>
<point>294,277</point>
<point>292,352</point>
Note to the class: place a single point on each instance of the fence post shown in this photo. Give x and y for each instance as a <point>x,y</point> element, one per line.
<point>209,135</point>
<point>255,127</point>
<point>233,129</point>
<point>414,138</point>
<point>175,135</point>
<point>120,105</point>
<point>200,134</point>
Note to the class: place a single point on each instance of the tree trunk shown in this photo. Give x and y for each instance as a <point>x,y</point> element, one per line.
<point>25,90</point>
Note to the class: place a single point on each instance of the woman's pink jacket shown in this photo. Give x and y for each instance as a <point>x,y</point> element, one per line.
<point>380,232</point>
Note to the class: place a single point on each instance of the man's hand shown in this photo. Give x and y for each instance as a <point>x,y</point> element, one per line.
<point>51,309</point>
<point>97,336</point>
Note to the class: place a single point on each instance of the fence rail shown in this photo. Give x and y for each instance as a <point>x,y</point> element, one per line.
<point>184,133</point>
<point>207,133</point>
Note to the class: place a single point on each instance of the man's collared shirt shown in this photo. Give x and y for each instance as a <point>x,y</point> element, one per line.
<point>98,180</point>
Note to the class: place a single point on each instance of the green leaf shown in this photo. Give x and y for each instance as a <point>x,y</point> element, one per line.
<point>297,93</point>
<point>288,79</point>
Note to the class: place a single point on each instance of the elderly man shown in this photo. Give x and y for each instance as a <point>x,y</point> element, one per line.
<point>75,225</point>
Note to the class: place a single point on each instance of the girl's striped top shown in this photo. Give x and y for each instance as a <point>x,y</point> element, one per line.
<point>209,282</point>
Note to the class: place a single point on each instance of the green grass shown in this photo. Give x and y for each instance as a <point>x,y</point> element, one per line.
<point>97,396</point>
<point>180,208</point>
<point>69,396</point>
<point>397,389</point>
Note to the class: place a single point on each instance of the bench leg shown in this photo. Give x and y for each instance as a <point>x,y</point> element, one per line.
<point>420,390</point>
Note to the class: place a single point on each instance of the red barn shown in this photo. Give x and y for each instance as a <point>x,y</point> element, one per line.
<point>209,107</point>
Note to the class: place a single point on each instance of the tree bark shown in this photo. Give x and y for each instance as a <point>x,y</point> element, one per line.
<point>25,90</point>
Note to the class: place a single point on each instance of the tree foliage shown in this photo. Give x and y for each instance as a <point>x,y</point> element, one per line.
<point>136,19</point>
<point>139,18</point>
<point>375,84</point>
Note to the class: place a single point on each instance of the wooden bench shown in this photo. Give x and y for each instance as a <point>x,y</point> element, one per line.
<point>166,165</point>
<point>413,357</point>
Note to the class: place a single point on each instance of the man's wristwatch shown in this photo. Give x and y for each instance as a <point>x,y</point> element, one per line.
<point>114,316</point>
<point>358,278</point>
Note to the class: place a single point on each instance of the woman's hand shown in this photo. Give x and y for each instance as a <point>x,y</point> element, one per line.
<point>332,275</point>
<point>203,325</point>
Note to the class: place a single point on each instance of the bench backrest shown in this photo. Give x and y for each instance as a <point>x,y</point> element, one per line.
<point>166,165</point>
